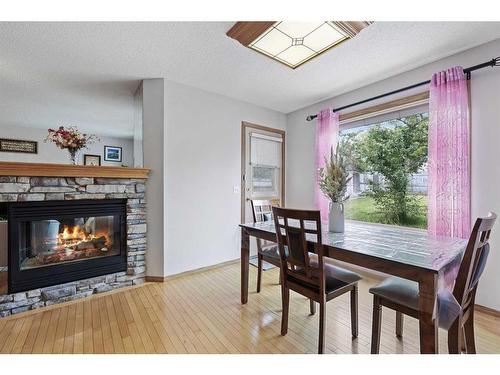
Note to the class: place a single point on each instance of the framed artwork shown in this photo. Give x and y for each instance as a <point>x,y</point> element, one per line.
<point>94,160</point>
<point>18,145</point>
<point>112,153</point>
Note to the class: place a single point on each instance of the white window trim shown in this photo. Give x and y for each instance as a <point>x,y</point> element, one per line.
<point>266,137</point>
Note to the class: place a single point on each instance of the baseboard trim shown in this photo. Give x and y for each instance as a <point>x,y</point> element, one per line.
<point>155,279</point>
<point>161,279</point>
<point>487,310</point>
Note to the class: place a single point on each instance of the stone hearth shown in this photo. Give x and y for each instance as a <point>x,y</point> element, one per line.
<point>15,189</point>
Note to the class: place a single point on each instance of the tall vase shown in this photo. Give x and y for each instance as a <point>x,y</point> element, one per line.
<point>74,155</point>
<point>336,217</point>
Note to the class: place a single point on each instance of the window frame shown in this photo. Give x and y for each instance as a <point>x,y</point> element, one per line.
<point>406,102</point>
<point>348,120</point>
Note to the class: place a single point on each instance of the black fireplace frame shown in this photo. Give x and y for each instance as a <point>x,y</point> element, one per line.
<point>23,280</point>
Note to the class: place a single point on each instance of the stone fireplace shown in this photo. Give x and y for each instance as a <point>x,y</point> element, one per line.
<point>71,237</point>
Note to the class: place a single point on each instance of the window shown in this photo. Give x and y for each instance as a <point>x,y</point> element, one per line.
<point>265,161</point>
<point>264,180</point>
<point>387,159</point>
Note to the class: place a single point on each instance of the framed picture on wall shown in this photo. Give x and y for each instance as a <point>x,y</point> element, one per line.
<point>94,160</point>
<point>112,153</point>
<point>18,145</point>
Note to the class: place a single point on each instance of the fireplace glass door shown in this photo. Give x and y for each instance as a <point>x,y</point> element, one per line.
<point>45,243</point>
<point>56,242</point>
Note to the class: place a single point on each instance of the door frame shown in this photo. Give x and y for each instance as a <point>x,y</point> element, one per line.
<point>244,126</point>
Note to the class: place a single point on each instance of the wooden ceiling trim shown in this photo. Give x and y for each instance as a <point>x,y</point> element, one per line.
<point>352,28</point>
<point>246,32</point>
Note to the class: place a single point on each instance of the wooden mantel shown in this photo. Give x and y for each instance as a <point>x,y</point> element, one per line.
<point>67,170</point>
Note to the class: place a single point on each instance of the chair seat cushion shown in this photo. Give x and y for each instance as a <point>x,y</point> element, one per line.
<point>271,251</point>
<point>335,272</point>
<point>405,292</point>
<point>335,277</point>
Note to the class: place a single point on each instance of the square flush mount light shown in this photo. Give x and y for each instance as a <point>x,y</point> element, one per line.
<point>294,43</point>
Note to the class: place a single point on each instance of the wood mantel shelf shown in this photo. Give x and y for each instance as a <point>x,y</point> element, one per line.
<point>67,170</point>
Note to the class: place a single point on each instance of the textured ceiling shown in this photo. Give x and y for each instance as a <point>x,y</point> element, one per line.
<point>53,73</point>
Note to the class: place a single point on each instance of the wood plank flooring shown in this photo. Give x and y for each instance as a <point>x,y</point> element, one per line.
<point>201,313</point>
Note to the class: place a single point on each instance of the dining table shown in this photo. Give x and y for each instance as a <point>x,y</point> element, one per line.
<point>409,253</point>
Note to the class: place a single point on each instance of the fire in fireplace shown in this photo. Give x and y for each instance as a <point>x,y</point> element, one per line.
<point>59,241</point>
<point>78,239</point>
<point>56,242</point>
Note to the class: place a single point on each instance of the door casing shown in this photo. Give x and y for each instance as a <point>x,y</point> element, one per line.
<point>244,126</point>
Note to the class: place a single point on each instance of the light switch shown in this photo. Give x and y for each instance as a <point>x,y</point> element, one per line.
<point>236,189</point>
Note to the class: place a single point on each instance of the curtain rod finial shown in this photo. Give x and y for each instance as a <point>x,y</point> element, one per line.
<point>311,117</point>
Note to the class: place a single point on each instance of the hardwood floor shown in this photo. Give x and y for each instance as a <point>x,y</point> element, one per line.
<point>201,313</point>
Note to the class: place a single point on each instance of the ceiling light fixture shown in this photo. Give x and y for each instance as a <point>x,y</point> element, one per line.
<point>294,43</point>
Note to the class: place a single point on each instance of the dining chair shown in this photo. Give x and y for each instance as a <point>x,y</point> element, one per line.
<point>455,308</point>
<point>266,251</point>
<point>310,274</point>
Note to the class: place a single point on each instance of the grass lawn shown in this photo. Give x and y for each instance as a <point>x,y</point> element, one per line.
<point>364,209</point>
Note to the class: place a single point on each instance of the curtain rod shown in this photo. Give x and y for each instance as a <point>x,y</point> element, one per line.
<point>493,62</point>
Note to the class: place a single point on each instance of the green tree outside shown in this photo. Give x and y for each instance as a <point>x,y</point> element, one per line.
<point>394,150</point>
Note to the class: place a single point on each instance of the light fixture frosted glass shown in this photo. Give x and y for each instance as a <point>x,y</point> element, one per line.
<point>273,42</point>
<point>323,37</point>
<point>294,43</point>
<point>295,54</point>
<point>298,29</point>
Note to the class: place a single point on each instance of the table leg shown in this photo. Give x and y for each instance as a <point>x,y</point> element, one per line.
<point>428,314</point>
<point>245,255</point>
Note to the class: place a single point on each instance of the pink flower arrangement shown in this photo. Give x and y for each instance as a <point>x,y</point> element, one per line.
<point>70,138</point>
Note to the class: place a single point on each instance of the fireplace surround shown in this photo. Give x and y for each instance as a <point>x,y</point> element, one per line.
<point>57,185</point>
<point>55,242</point>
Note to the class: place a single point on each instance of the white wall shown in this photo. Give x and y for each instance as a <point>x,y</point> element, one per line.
<point>138,146</point>
<point>153,118</point>
<point>485,106</point>
<point>49,153</point>
<point>202,167</point>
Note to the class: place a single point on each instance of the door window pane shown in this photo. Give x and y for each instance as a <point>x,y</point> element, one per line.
<point>265,181</point>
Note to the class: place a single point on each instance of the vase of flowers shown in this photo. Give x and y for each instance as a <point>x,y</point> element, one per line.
<point>74,156</point>
<point>333,180</point>
<point>70,139</point>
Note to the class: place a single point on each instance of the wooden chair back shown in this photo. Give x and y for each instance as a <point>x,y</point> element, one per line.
<point>293,229</point>
<point>262,209</point>
<point>473,261</point>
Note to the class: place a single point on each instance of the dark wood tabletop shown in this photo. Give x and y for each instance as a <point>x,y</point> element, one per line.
<point>398,244</point>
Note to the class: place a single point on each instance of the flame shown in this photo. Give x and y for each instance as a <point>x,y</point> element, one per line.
<point>72,236</point>
<point>76,231</point>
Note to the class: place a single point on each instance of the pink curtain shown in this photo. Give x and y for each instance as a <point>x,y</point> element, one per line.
<point>449,149</point>
<point>327,130</point>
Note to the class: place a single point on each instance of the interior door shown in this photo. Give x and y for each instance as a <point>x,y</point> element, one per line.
<point>262,166</point>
